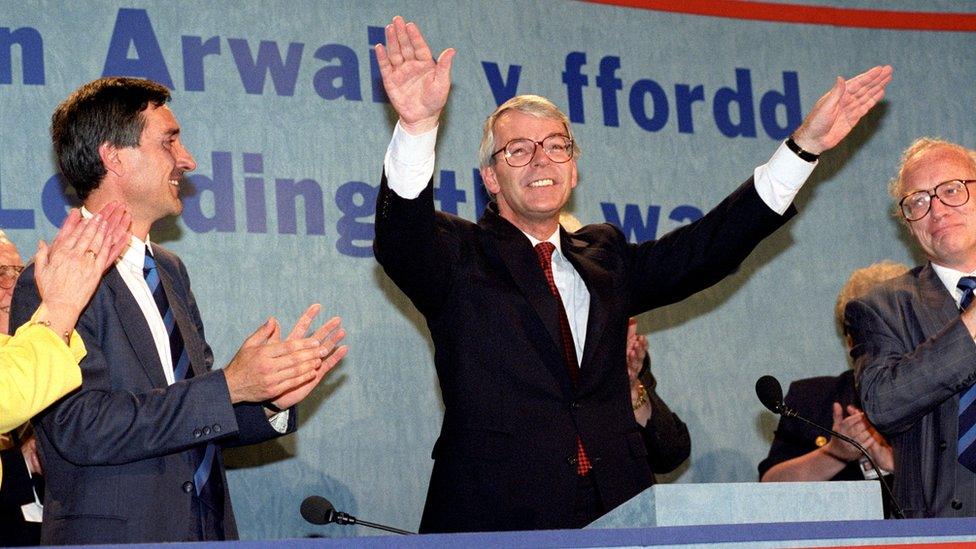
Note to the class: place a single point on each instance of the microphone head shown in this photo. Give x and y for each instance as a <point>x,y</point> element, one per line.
<point>317,510</point>
<point>770,393</point>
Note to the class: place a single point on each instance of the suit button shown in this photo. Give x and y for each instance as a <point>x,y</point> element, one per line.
<point>572,460</point>
<point>942,445</point>
<point>197,433</point>
<point>956,504</point>
<point>216,428</point>
<point>206,430</point>
<point>575,405</point>
<point>187,487</point>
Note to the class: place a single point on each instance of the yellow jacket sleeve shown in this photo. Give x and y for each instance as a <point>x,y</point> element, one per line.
<point>36,369</point>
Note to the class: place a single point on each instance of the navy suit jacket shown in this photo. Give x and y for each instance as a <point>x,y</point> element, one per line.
<point>119,453</point>
<point>812,398</point>
<point>914,357</point>
<point>505,458</point>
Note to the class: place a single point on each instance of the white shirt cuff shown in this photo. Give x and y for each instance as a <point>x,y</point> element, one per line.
<point>778,180</point>
<point>279,421</point>
<point>409,161</point>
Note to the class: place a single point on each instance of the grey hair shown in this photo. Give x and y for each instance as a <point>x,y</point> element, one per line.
<point>533,105</point>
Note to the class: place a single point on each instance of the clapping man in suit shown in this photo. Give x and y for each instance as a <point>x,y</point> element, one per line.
<point>913,348</point>
<point>135,454</point>
<point>529,323</point>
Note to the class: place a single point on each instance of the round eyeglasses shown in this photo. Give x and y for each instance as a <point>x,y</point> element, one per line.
<point>521,151</point>
<point>954,192</point>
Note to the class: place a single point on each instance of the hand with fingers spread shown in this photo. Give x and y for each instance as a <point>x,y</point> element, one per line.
<point>839,110</point>
<point>416,84</point>
<point>68,271</point>
<point>282,372</point>
<point>328,335</point>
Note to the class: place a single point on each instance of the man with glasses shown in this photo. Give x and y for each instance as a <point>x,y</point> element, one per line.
<point>913,337</point>
<point>529,323</point>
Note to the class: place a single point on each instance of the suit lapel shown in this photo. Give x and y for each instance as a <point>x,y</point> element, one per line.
<point>597,283</point>
<point>135,327</point>
<point>938,307</point>
<point>512,252</point>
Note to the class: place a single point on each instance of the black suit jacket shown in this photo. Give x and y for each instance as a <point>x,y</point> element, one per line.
<point>913,358</point>
<point>505,458</point>
<point>16,489</point>
<point>119,453</point>
<point>812,398</point>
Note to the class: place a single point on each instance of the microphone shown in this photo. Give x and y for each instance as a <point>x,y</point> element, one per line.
<point>318,510</point>
<point>770,393</point>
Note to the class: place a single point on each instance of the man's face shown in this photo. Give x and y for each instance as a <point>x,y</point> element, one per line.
<point>947,234</point>
<point>8,256</point>
<point>154,169</point>
<point>535,193</point>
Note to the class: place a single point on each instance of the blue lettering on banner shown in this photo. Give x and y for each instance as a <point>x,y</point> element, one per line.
<point>733,108</point>
<point>31,46</point>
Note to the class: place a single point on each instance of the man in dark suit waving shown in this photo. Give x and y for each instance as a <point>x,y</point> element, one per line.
<point>134,455</point>
<point>542,428</point>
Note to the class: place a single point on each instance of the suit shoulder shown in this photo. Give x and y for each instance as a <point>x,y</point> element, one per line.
<point>600,234</point>
<point>899,289</point>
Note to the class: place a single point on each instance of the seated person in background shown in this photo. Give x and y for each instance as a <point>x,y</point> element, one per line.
<point>801,452</point>
<point>670,444</point>
<point>39,364</point>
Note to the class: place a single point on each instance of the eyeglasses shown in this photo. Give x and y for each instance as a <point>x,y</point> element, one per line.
<point>954,192</point>
<point>9,274</point>
<point>519,152</point>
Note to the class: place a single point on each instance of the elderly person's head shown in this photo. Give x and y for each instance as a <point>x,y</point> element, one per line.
<point>10,267</point>
<point>933,189</point>
<point>863,281</point>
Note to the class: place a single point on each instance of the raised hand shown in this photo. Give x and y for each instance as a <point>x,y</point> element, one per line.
<point>68,271</point>
<point>417,85</point>
<point>839,110</point>
<point>329,335</point>
<point>264,367</point>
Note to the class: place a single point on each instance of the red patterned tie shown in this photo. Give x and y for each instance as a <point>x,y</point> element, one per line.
<point>544,251</point>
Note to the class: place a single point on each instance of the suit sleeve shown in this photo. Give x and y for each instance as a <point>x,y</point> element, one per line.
<point>900,384</point>
<point>788,442</point>
<point>700,254</point>
<point>36,369</point>
<point>665,435</point>
<point>415,247</point>
<point>252,422</point>
<point>117,417</point>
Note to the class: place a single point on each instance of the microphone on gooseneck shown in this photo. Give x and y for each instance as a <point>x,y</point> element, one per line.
<point>770,393</point>
<point>318,510</point>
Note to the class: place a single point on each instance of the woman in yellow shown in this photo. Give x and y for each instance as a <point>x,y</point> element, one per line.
<point>39,364</point>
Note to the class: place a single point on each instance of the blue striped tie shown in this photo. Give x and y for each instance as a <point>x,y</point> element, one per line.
<point>181,362</point>
<point>966,449</point>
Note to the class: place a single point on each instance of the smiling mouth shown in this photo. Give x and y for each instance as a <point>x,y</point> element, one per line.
<point>542,183</point>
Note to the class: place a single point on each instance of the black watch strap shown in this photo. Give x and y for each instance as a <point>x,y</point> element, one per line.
<point>797,150</point>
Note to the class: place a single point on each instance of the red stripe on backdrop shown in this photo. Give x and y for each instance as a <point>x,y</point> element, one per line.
<point>814,15</point>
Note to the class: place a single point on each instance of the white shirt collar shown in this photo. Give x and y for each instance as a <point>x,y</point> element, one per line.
<point>950,279</point>
<point>554,238</point>
<point>134,256</point>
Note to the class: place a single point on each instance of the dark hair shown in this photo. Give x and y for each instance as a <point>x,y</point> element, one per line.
<point>107,110</point>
